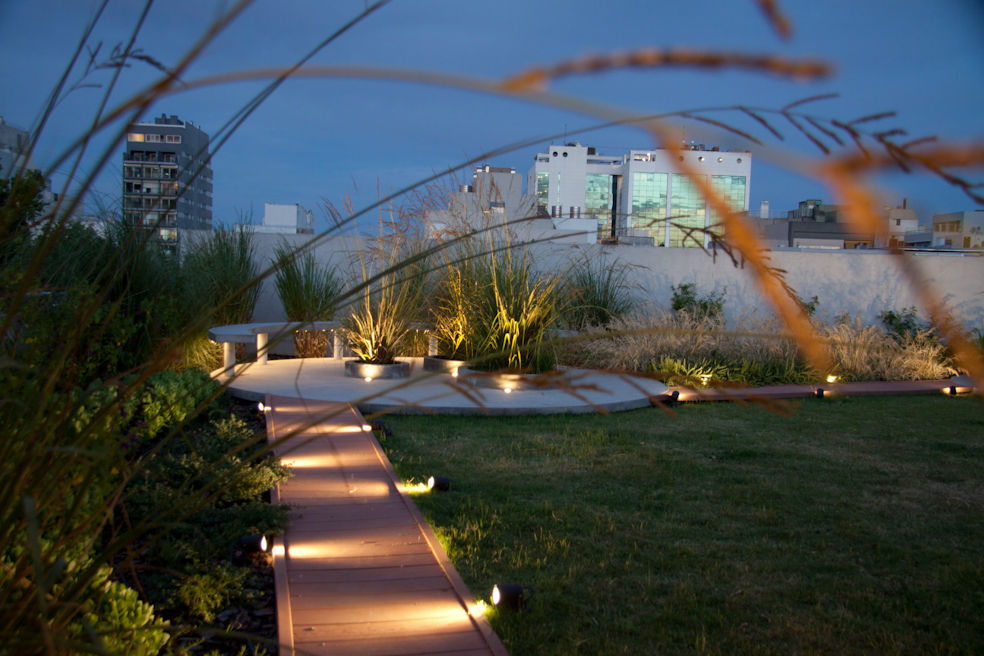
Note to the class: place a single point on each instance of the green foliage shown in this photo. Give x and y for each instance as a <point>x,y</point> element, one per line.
<point>494,309</point>
<point>901,325</point>
<point>686,300</point>
<point>20,206</point>
<point>220,276</point>
<point>389,302</point>
<point>98,305</point>
<point>697,373</point>
<point>119,620</point>
<point>223,465</point>
<point>810,306</point>
<point>308,292</point>
<point>171,398</point>
<point>711,372</point>
<point>206,592</point>
<point>595,291</point>
<point>199,353</point>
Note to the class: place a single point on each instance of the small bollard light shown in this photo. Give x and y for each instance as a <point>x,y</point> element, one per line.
<point>442,483</point>
<point>254,543</point>
<point>510,595</point>
<point>818,393</point>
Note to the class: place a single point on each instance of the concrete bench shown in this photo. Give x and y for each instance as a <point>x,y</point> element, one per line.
<point>259,334</point>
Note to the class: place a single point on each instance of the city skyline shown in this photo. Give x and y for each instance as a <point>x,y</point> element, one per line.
<point>326,137</point>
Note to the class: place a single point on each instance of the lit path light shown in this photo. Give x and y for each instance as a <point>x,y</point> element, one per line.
<point>440,483</point>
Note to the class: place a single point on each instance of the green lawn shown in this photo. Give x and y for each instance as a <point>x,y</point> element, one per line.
<point>851,526</point>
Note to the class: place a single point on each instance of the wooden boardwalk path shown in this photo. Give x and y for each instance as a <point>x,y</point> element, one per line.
<point>359,571</point>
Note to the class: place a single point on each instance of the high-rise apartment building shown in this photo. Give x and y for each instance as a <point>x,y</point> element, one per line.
<point>167,179</point>
<point>642,196</point>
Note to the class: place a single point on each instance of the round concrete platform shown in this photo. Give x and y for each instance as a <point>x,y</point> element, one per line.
<point>323,379</point>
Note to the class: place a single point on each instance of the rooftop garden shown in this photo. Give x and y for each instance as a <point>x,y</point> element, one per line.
<point>127,479</point>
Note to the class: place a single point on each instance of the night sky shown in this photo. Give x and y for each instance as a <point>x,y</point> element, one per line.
<point>328,138</point>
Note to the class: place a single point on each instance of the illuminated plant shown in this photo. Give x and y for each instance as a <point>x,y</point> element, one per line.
<point>387,305</point>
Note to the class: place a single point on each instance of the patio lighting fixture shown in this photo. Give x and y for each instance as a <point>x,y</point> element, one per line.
<point>254,543</point>
<point>366,428</point>
<point>262,408</point>
<point>510,595</point>
<point>441,483</point>
<point>819,392</point>
<point>368,379</point>
<point>507,390</point>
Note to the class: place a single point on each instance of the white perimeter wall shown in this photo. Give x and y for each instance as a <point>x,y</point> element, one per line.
<point>855,282</point>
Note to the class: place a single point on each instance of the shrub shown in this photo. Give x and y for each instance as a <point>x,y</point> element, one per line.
<point>686,300</point>
<point>901,325</point>
<point>390,301</point>
<point>121,622</point>
<point>863,352</point>
<point>308,292</point>
<point>509,312</point>
<point>595,292</point>
<point>220,276</point>
<point>203,492</point>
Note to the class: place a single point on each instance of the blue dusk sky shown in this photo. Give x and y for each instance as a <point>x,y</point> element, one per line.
<point>328,138</point>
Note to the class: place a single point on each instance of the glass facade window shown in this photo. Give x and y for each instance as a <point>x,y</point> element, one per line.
<point>732,189</point>
<point>542,189</point>
<point>688,216</point>
<point>598,200</point>
<point>649,204</point>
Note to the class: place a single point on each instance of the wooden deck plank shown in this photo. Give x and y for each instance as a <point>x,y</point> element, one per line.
<point>361,586</point>
<point>443,643</point>
<point>363,573</point>
<point>357,630</point>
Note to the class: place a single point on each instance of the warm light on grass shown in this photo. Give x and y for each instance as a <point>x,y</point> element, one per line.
<point>478,608</point>
<point>416,488</point>
<point>832,378</point>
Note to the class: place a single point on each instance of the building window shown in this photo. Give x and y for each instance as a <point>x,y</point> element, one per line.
<point>134,136</point>
<point>598,200</point>
<point>688,219</point>
<point>542,189</point>
<point>173,138</point>
<point>649,204</point>
<point>152,138</point>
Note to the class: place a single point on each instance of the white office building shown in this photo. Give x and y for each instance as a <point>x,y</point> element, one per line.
<point>286,219</point>
<point>642,197</point>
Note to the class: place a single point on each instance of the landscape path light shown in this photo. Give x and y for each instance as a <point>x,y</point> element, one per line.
<point>510,595</point>
<point>441,483</point>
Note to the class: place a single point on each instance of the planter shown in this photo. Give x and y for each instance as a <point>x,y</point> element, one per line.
<point>510,380</point>
<point>357,369</point>
<point>442,364</point>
